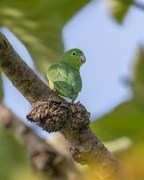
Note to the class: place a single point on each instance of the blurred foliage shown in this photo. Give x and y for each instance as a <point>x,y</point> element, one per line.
<point>14,160</point>
<point>1,89</point>
<point>119,9</point>
<point>133,159</point>
<point>38,24</point>
<point>26,174</point>
<point>127,120</point>
<point>12,155</point>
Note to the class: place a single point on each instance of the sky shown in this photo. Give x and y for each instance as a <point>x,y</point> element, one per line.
<point>110,50</point>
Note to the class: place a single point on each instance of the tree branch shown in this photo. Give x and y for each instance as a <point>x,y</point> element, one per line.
<point>53,113</point>
<point>44,159</point>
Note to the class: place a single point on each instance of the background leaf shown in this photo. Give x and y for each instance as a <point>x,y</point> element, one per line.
<point>119,9</point>
<point>128,118</point>
<point>38,24</point>
<point>14,160</point>
<point>12,155</point>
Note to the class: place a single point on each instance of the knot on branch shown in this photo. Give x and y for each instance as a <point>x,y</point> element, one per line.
<point>79,157</point>
<point>51,115</point>
<point>84,156</point>
<point>80,116</point>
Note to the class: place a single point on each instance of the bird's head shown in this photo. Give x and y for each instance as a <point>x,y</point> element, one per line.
<point>73,57</point>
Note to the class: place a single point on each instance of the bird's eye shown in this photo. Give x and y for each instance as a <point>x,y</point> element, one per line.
<point>74,53</point>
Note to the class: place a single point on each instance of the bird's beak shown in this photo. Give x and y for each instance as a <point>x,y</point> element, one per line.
<point>83,59</point>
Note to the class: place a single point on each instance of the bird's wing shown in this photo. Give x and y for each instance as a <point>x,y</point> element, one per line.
<point>66,80</point>
<point>74,79</point>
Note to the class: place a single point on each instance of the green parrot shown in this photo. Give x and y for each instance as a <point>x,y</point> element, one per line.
<point>64,76</point>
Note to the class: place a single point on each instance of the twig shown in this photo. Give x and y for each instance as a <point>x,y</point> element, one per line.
<point>53,113</point>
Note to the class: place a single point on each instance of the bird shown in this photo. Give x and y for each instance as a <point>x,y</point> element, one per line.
<point>64,76</point>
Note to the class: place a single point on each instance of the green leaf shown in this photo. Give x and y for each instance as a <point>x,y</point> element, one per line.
<point>38,24</point>
<point>12,155</point>
<point>1,89</point>
<point>14,160</point>
<point>119,9</point>
<point>128,118</point>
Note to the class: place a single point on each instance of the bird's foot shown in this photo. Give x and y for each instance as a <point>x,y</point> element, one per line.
<point>72,102</point>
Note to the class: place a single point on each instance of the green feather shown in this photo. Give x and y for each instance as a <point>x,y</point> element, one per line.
<point>65,74</point>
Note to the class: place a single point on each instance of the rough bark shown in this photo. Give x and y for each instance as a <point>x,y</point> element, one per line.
<point>53,114</point>
<point>43,158</point>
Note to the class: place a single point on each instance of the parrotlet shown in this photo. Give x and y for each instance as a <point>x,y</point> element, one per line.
<point>64,76</point>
